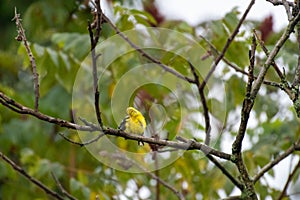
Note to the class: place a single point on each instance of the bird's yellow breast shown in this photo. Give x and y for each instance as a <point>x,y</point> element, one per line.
<point>136,122</point>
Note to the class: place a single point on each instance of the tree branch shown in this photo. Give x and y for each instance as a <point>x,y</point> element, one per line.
<point>100,135</point>
<point>189,145</point>
<point>225,48</point>
<point>266,51</point>
<point>204,104</point>
<point>273,53</point>
<point>19,108</point>
<point>225,172</point>
<point>61,188</point>
<point>274,162</point>
<point>94,40</point>
<point>248,188</point>
<point>22,37</point>
<point>249,101</point>
<point>279,3</point>
<point>146,55</point>
<point>283,192</point>
<point>287,7</point>
<point>238,69</point>
<point>30,178</point>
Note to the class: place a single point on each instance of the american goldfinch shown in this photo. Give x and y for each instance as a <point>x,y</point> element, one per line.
<point>134,122</point>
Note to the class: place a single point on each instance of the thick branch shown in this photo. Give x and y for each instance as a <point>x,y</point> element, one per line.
<point>190,145</point>
<point>19,108</point>
<point>225,172</point>
<point>248,189</point>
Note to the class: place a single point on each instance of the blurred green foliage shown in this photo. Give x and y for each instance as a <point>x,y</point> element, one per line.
<point>57,32</point>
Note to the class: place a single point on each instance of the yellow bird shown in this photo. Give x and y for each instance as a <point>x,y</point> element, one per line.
<point>134,122</point>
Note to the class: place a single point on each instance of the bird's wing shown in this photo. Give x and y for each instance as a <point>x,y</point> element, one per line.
<point>122,125</point>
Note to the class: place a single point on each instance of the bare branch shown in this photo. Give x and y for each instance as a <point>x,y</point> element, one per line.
<point>146,55</point>
<point>189,145</point>
<point>279,3</point>
<point>283,192</point>
<point>22,37</point>
<point>247,107</point>
<point>204,104</point>
<point>237,145</point>
<point>61,188</point>
<point>249,101</point>
<point>225,48</point>
<point>274,162</point>
<point>94,40</point>
<point>251,67</point>
<point>30,178</point>
<point>100,135</point>
<point>225,171</point>
<point>264,48</point>
<point>272,55</point>
<point>19,108</point>
<point>238,69</point>
<point>287,7</point>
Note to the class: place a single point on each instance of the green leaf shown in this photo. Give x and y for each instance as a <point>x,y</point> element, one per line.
<point>231,20</point>
<point>142,14</point>
<point>74,44</point>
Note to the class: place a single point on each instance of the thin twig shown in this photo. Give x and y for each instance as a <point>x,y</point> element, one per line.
<point>82,143</point>
<point>264,48</point>
<point>287,7</point>
<point>285,86</point>
<point>94,40</point>
<point>273,53</point>
<point>288,181</point>
<point>238,69</point>
<point>225,48</point>
<point>22,37</point>
<point>204,104</point>
<point>274,162</point>
<point>146,55</point>
<point>251,67</point>
<point>62,189</point>
<point>30,178</point>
